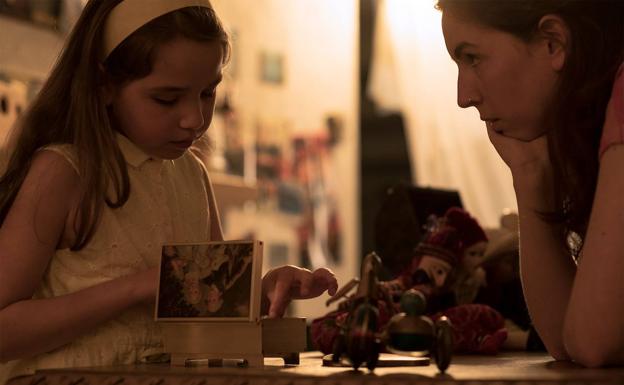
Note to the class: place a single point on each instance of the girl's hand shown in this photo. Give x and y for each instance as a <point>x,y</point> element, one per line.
<point>521,156</point>
<point>285,283</point>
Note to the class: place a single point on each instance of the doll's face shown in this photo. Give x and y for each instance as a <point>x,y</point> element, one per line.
<point>473,255</point>
<point>437,269</point>
<point>178,265</point>
<point>214,298</point>
<point>192,292</point>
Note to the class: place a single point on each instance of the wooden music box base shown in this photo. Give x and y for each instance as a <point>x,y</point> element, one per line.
<point>237,343</point>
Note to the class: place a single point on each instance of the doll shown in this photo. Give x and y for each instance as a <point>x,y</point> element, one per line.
<point>470,275</point>
<point>437,259</point>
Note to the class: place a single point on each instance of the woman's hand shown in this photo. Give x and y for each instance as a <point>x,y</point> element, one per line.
<point>530,167</point>
<point>521,156</point>
<point>285,283</point>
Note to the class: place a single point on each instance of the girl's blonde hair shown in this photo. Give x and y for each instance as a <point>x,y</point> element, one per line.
<point>70,107</point>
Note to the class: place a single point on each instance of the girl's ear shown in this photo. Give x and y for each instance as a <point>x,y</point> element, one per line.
<point>554,32</point>
<point>106,89</point>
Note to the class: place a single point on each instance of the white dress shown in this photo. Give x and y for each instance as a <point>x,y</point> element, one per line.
<point>170,201</point>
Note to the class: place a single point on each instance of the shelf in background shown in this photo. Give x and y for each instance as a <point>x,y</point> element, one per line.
<point>232,190</point>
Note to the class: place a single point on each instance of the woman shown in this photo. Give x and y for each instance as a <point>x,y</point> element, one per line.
<point>547,78</point>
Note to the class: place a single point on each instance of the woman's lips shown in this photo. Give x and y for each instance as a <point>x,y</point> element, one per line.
<point>491,124</point>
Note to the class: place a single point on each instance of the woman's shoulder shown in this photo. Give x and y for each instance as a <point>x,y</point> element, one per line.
<point>613,128</point>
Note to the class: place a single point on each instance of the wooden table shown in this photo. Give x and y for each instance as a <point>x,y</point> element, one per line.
<point>506,368</point>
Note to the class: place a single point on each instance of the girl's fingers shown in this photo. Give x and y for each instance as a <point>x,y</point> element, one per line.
<point>306,281</point>
<point>280,298</point>
<point>327,279</point>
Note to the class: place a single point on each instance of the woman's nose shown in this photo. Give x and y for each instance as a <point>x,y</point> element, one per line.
<point>465,102</point>
<point>467,95</point>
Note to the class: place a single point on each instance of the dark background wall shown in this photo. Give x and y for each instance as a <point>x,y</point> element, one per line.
<point>384,160</point>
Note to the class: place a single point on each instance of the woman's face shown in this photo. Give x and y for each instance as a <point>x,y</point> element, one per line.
<point>509,81</point>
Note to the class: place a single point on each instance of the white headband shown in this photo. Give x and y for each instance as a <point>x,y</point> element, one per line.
<point>130,15</point>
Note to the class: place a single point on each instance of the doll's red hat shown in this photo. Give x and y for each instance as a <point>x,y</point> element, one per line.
<point>468,229</point>
<point>443,243</point>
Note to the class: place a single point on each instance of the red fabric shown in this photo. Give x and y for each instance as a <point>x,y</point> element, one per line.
<point>469,230</point>
<point>443,243</point>
<point>324,330</point>
<point>476,328</point>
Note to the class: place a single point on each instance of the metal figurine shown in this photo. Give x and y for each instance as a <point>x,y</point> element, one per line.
<point>412,333</point>
<point>408,333</point>
<point>358,338</point>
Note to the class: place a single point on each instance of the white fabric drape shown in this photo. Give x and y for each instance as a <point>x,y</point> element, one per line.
<point>449,148</point>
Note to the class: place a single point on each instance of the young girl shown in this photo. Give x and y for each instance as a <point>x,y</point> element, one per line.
<point>547,78</point>
<point>100,176</point>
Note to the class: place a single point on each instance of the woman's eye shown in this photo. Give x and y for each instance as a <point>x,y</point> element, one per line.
<point>471,59</point>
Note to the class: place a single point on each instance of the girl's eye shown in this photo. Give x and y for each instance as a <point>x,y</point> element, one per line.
<point>209,93</point>
<point>165,101</point>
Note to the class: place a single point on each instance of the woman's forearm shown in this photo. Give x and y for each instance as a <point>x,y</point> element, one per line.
<point>594,329</point>
<point>35,326</point>
<point>547,269</point>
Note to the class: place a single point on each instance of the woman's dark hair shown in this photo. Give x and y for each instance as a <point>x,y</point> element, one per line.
<point>70,110</point>
<point>576,118</point>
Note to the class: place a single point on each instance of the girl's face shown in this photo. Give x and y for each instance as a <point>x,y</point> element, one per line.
<point>166,111</point>
<point>509,81</point>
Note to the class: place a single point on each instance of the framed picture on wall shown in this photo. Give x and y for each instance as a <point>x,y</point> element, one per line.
<point>211,281</point>
<point>41,12</point>
<point>271,67</point>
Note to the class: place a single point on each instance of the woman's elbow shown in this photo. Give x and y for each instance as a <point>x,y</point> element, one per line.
<point>594,348</point>
<point>595,357</point>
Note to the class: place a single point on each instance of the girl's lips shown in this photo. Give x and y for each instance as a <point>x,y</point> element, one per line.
<point>183,143</point>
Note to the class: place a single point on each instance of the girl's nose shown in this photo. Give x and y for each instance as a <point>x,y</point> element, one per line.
<point>192,117</point>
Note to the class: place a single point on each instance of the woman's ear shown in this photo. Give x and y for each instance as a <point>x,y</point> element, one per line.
<point>554,32</point>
